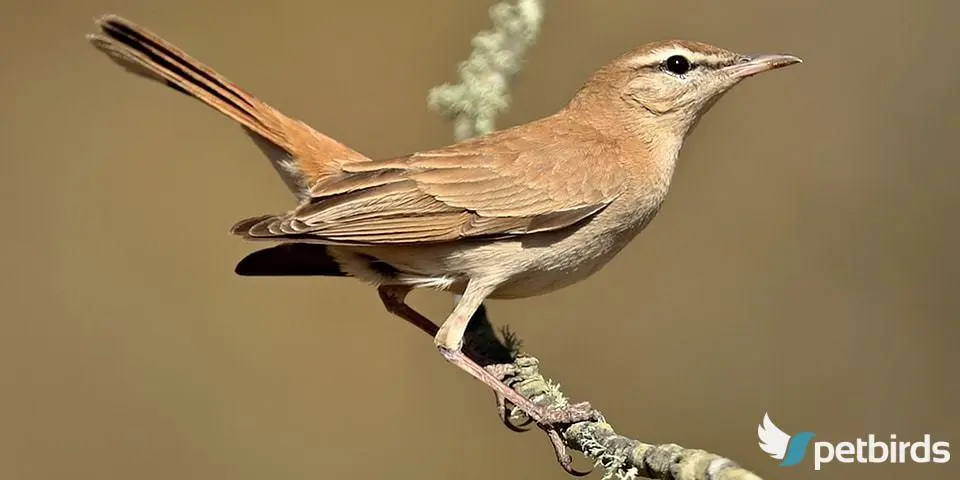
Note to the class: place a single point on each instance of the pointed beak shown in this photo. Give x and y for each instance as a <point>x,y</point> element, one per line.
<point>755,64</point>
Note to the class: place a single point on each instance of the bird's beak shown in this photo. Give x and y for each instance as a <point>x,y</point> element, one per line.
<point>755,64</point>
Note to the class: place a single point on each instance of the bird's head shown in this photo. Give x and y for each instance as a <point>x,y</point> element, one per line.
<point>667,86</point>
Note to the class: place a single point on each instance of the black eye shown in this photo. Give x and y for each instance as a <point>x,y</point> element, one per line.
<point>677,64</point>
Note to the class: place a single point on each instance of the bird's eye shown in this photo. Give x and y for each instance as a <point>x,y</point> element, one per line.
<point>677,65</point>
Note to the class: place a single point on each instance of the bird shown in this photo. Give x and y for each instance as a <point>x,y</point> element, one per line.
<point>517,213</point>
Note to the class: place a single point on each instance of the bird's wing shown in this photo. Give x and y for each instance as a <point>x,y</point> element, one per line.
<point>506,184</point>
<point>772,440</point>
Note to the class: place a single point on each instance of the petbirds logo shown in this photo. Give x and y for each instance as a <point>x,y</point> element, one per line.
<point>791,449</point>
<point>779,445</point>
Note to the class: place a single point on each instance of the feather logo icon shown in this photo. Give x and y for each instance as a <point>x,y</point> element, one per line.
<point>790,450</point>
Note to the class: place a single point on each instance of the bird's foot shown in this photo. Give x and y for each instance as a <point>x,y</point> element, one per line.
<point>508,415</point>
<point>550,420</point>
<point>553,420</point>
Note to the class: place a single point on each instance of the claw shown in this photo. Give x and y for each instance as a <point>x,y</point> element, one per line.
<point>523,426</point>
<point>568,415</point>
<point>500,371</point>
<point>504,414</point>
<point>563,458</point>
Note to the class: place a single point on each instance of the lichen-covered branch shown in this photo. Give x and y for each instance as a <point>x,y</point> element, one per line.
<point>473,104</point>
<point>483,90</point>
<point>622,458</point>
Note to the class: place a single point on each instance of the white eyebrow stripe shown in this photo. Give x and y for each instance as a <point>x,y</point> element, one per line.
<point>661,54</point>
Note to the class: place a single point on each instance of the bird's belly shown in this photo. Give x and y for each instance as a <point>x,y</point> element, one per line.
<point>570,258</point>
<point>561,265</point>
<point>539,282</point>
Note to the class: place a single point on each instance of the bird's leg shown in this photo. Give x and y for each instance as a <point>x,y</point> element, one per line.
<point>449,341</point>
<point>452,331</point>
<point>393,297</point>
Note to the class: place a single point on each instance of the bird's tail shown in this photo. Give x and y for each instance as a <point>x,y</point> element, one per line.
<point>144,53</point>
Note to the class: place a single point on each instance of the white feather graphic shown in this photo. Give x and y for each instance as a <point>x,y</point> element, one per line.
<point>772,440</point>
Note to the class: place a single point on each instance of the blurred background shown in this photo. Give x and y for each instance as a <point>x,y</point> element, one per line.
<point>804,264</point>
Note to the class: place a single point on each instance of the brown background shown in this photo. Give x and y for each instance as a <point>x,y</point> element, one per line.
<point>805,263</point>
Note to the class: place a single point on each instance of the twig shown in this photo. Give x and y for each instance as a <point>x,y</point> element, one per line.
<point>483,91</point>
<point>473,104</point>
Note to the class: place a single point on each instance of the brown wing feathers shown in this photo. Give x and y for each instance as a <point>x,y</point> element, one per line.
<point>401,201</point>
<point>508,183</point>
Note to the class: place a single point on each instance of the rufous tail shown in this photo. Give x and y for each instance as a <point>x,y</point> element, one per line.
<point>142,52</point>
